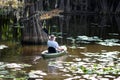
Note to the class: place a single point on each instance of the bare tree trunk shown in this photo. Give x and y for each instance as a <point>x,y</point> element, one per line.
<point>118,8</point>
<point>104,6</point>
<point>61,5</point>
<point>74,5</point>
<point>67,22</point>
<point>40,5</point>
<point>118,22</point>
<point>112,6</point>
<point>67,8</point>
<point>97,6</point>
<point>56,4</point>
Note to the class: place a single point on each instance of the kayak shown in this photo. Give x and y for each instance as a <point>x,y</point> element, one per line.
<point>45,54</point>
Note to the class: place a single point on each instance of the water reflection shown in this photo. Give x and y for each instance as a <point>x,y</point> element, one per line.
<point>55,63</point>
<point>89,25</point>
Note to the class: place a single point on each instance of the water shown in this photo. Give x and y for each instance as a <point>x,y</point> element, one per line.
<point>93,51</point>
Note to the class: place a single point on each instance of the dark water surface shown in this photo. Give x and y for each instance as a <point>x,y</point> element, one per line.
<point>93,44</point>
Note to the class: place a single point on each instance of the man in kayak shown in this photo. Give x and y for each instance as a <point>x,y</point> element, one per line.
<point>53,45</point>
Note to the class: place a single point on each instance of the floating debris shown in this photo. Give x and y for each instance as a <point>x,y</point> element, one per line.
<point>15,65</point>
<point>114,34</point>
<point>69,75</point>
<point>88,67</point>
<point>89,39</point>
<point>110,42</point>
<point>73,78</point>
<point>77,59</point>
<point>70,38</point>
<point>4,72</point>
<point>36,74</point>
<point>12,70</point>
<point>109,76</point>
<point>3,46</point>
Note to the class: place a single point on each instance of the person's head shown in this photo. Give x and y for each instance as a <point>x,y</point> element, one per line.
<point>52,37</point>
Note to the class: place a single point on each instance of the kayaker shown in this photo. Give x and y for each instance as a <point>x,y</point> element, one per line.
<point>53,45</point>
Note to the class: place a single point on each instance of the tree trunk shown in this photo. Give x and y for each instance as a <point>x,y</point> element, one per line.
<point>118,22</point>
<point>112,6</point>
<point>61,5</point>
<point>33,33</point>
<point>67,22</point>
<point>104,6</point>
<point>118,8</point>
<point>67,8</point>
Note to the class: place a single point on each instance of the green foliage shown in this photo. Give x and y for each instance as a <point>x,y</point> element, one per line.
<point>1,11</point>
<point>11,21</point>
<point>83,69</point>
<point>6,32</point>
<point>74,68</point>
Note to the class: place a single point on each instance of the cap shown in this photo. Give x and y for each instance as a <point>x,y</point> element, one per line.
<point>52,36</point>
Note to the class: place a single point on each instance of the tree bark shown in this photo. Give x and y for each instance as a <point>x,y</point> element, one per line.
<point>118,8</point>
<point>68,6</point>
<point>61,5</point>
<point>33,33</point>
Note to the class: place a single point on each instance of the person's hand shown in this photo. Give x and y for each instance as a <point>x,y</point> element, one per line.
<point>62,49</point>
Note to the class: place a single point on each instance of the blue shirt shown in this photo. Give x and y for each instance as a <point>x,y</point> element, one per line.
<point>52,43</point>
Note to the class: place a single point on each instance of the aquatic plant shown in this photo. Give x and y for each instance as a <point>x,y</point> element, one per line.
<point>13,71</point>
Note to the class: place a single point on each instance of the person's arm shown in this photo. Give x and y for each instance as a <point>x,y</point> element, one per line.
<point>58,47</point>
